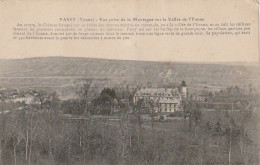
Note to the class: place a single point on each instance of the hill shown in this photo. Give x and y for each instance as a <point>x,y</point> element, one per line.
<point>58,72</point>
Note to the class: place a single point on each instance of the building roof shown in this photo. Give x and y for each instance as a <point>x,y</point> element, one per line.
<point>163,92</point>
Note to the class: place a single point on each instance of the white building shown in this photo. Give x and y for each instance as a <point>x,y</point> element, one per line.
<point>168,106</point>
<point>165,99</point>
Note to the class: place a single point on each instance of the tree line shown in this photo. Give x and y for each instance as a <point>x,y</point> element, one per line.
<point>42,134</point>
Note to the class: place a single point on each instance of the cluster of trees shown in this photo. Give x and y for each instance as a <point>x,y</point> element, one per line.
<point>89,102</point>
<point>232,97</point>
<point>42,134</point>
<point>234,132</point>
<point>103,104</point>
<point>106,102</point>
<point>46,137</point>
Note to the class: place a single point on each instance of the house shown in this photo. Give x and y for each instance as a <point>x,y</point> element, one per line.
<point>164,100</point>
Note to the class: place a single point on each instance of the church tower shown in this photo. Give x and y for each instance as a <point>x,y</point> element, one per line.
<point>184,90</point>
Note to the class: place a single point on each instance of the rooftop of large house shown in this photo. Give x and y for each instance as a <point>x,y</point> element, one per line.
<point>157,92</point>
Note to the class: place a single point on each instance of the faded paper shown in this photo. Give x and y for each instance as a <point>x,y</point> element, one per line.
<point>210,44</point>
<point>175,48</point>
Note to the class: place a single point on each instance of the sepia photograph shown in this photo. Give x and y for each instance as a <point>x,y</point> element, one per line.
<point>144,82</point>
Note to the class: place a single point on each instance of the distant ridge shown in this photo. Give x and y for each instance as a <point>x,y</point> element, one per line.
<point>140,72</point>
<point>183,62</point>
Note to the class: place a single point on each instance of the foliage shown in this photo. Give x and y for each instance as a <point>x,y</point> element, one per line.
<point>106,102</point>
<point>49,137</point>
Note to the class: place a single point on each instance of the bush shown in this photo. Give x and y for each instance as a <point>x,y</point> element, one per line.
<point>176,114</point>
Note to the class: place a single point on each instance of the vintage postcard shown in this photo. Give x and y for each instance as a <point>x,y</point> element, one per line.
<point>144,82</point>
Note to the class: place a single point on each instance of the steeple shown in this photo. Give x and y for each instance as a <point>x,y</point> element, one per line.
<point>183,90</point>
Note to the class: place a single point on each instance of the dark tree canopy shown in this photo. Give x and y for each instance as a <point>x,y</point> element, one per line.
<point>183,84</point>
<point>109,92</point>
<point>107,96</point>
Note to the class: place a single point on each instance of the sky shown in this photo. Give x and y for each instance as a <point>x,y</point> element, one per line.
<point>192,49</point>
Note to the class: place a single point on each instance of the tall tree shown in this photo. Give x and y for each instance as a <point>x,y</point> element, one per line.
<point>40,97</point>
<point>139,106</point>
<point>84,95</point>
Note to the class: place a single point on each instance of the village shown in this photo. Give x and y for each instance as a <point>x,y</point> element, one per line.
<point>129,119</point>
<point>162,102</point>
